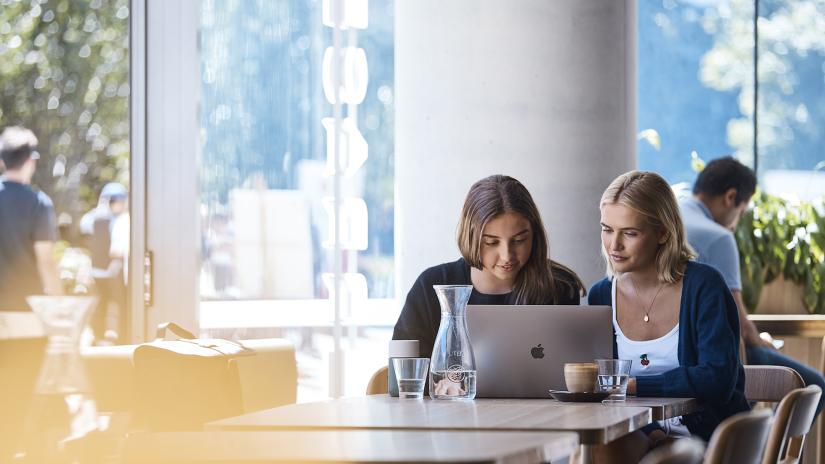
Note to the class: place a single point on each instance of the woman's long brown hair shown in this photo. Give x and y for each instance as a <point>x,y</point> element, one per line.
<point>538,281</point>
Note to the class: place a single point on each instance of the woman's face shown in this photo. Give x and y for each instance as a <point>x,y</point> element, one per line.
<point>506,243</point>
<point>630,241</point>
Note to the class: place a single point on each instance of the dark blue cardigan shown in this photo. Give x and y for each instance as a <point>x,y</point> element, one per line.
<point>709,367</point>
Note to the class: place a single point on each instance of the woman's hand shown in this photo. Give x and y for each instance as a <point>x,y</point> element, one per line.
<point>631,386</point>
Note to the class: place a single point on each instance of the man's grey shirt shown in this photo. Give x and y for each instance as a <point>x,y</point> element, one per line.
<point>714,244</point>
<point>26,217</point>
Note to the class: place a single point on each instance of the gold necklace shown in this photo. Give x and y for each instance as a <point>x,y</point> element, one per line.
<point>639,297</point>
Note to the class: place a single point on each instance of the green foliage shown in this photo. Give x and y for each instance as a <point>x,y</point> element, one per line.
<point>791,46</point>
<point>777,237</point>
<point>64,74</point>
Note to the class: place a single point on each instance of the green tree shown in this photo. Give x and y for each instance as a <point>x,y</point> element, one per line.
<point>64,73</point>
<point>790,32</point>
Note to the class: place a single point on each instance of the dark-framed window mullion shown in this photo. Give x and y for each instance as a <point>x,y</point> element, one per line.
<point>756,86</point>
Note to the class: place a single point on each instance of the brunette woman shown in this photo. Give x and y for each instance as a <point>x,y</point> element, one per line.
<point>504,256</point>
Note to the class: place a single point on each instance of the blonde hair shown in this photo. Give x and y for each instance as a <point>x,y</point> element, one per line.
<point>498,194</point>
<point>649,194</point>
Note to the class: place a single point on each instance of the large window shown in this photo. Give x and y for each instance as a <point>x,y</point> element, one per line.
<point>64,74</point>
<point>267,187</point>
<point>697,89</point>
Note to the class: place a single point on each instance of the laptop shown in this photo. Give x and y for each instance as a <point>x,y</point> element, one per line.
<point>521,350</point>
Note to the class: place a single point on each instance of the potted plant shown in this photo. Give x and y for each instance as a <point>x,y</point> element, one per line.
<point>781,248</point>
<point>782,244</point>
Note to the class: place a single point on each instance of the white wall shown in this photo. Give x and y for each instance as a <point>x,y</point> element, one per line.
<point>540,90</point>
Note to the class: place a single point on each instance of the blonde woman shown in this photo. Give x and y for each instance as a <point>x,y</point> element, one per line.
<point>504,256</point>
<point>675,318</point>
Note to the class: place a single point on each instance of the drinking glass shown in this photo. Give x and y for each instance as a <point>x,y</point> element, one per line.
<point>613,376</point>
<point>411,374</point>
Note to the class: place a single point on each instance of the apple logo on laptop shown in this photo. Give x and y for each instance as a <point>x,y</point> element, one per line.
<point>537,351</point>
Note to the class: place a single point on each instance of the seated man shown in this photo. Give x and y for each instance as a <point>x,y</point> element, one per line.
<point>720,196</point>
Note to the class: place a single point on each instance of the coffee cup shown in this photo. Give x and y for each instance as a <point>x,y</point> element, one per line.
<point>580,377</point>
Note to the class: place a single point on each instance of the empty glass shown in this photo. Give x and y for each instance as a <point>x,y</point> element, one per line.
<point>411,374</point>
<point>613,376</point>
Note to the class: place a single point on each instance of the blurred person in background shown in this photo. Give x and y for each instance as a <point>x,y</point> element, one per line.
<point>102,209</point>
<point>97,227</point>
<point>119,267</point>
<point>219,254</point>
<point>721,195</point>
<point>28,227</point>
<point>75,265</point>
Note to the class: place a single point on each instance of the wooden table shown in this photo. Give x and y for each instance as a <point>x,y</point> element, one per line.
<point>663,408</point>
<point>790,325</point>
<point>594,423</point>
<point>811,326</point>
<point>349,446</point>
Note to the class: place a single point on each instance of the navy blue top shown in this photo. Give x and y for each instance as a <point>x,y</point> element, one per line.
<point>25,217</point>
<point>709,368</point>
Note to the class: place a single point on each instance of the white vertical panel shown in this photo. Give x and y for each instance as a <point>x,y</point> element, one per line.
<point>172,159</point>
<point>542,91</point>
<point>137,167</point>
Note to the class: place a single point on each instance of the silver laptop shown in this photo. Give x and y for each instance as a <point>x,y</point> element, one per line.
<point>520,351</point>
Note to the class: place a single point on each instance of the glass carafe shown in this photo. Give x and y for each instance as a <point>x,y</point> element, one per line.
<point>453,366</point>
<point>63,415</point>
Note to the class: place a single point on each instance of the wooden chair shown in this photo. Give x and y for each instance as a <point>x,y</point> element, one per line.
<point>378,382</point>
<point>681,451</point>
<point>792,422</point>
<point>739,439</point>
<point>770,383</point>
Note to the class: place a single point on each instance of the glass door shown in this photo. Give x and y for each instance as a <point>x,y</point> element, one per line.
<point>295,182</point>
<point>64,75</point>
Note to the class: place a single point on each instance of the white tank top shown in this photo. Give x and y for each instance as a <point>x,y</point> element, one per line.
<point>651,357</point>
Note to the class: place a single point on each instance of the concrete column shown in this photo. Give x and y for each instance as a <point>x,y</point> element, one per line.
<point>540,90</point>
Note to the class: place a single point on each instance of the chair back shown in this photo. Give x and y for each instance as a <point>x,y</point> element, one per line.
<point>793,420</point>
<point>681,451</point>
<point>770,383</point>
<point>739,439</point>
<point>820,442</point>
<point>378,382</point>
